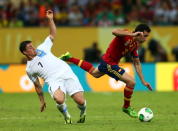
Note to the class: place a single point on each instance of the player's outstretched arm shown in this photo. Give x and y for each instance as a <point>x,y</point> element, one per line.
<point>52,26</point>
<point>39,91</point>
<point>123,32</point>
<point>138,69</point>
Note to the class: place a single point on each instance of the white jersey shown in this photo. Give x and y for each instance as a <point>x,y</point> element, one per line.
<point>47,66</point>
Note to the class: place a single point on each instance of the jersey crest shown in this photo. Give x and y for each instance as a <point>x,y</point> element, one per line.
<point>40,53</point>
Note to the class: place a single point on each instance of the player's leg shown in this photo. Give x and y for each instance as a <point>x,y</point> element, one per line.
<point>81,104</point>
<point>118,73</point>
<point>82,64</point>
<point>75,90</point>
<point>128,91</point>
<point>59,97</point>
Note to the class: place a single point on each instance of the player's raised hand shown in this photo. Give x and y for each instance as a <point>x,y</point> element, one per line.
<point>147,85</point>
<point>49,14</point>
<point>43,106</point>
<point>137,34</point>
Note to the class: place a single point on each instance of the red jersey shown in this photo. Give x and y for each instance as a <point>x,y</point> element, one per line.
<point>119,47</point>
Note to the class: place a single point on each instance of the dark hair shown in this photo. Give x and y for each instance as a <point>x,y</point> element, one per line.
<point>23,44</point>
<point>142,28</point>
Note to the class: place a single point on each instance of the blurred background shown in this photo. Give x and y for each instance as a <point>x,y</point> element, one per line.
<point>84,29</point>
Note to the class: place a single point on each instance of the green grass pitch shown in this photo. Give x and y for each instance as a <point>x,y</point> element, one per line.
<point>20,112</point>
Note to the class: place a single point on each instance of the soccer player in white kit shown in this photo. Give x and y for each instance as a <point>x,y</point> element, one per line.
<point>55,72</point>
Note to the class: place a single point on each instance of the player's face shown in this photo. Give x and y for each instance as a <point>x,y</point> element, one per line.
<point>143,38</point>
<point>30,50</point>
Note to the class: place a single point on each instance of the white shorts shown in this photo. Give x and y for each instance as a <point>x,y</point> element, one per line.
<point>69,86</point>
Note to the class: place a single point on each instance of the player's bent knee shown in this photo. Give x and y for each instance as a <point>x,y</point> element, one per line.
<point>59,96</point>
<point>131,84</point>
<point>78,98</point>
<point>81,101</point>
<point>59,100</point>
<point>96,76</point>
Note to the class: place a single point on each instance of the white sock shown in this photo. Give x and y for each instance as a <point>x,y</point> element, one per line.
<point>63,109</point>
<point>82,108</point>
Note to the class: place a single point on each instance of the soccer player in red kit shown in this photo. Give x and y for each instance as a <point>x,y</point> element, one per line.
<point>124,42</point>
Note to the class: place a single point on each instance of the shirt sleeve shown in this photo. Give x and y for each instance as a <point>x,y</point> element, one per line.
<point>135,53</point>
<point>46,45</point>
<point>33,78</point>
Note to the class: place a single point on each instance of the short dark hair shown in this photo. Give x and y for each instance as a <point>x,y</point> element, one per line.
<point>142,28</point>
<point>23,44</point>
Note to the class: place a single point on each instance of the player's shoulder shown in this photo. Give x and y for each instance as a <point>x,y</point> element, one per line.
<point>49,39</point>
<point>46,44</point>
